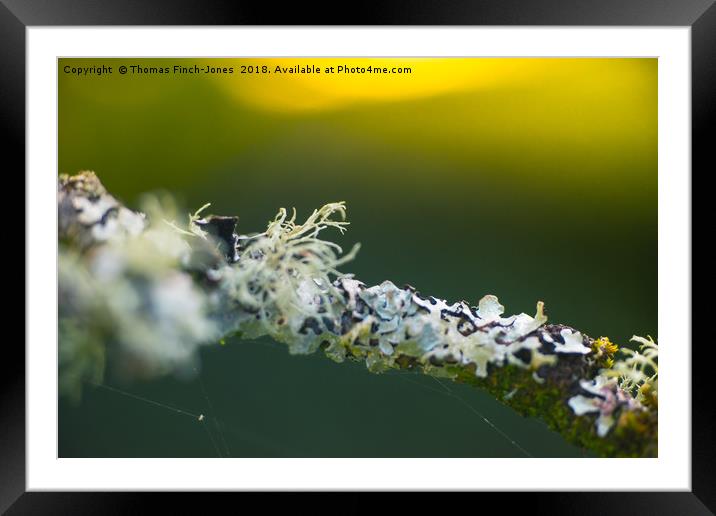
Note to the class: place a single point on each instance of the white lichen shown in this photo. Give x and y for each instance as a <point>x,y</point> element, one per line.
<point>573,343</point>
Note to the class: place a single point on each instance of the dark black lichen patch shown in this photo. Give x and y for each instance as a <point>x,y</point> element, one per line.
<point>223,230</point>
<point>310,323</point>
<point>524,355</point>
<point>466,327</point>
<point>328,324</point>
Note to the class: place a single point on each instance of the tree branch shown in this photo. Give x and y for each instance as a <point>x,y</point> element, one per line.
<point>147,292</point>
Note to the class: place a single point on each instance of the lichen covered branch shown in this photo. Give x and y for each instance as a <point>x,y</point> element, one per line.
<point>148,291</point>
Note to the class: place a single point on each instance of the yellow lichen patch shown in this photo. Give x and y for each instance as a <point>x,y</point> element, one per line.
<point>604,350</point>
<point>604,345</point>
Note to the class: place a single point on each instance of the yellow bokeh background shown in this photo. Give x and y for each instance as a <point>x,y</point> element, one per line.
<point>574,120</point>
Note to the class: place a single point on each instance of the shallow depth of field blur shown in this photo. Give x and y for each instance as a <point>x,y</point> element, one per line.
<point>530,179</point>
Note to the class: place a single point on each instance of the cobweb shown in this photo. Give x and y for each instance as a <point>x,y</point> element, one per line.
<point>225,438</point>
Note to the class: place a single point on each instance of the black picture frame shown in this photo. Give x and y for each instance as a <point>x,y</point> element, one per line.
<point>17,15</point>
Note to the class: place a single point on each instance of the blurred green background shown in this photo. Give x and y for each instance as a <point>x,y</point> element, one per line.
<point>530,179</point>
